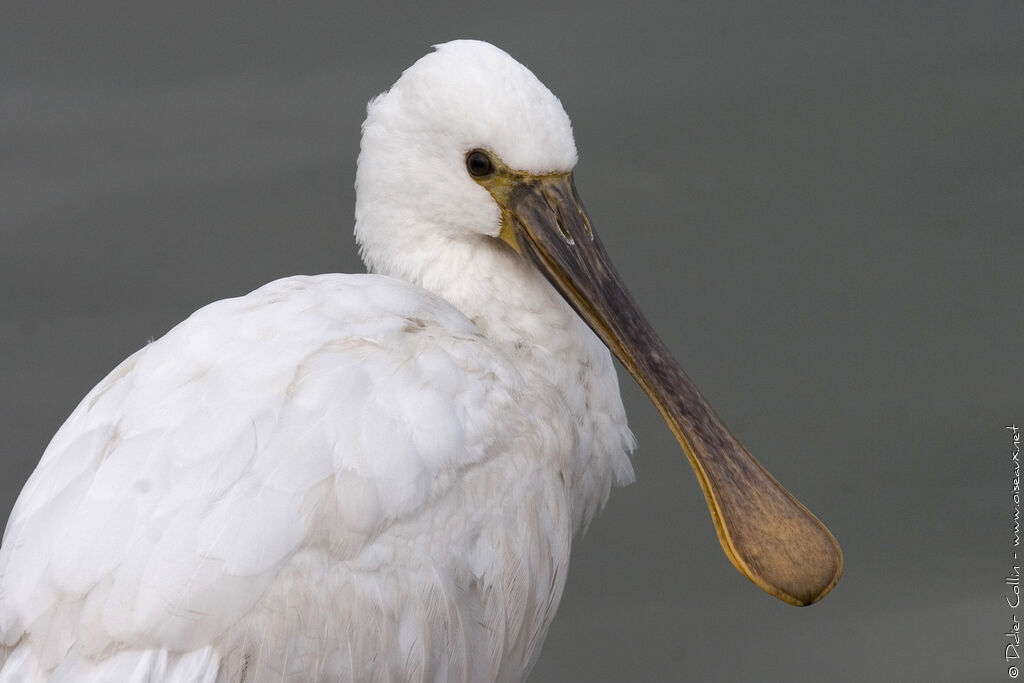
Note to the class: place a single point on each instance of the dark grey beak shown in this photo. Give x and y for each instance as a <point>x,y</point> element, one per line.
<point>765,532</point>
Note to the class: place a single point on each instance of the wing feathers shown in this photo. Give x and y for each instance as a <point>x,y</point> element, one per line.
<point>304,418</point>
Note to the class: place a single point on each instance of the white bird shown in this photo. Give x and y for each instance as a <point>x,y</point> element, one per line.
<point>377,477</point>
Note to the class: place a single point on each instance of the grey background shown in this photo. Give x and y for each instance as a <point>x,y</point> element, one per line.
<point>817,204</point>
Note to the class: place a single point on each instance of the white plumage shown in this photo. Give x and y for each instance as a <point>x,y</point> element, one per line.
<point>377,477</point>
<point>341,477</point>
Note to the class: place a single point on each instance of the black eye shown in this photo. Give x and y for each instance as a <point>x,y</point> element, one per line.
<point>479,163</point>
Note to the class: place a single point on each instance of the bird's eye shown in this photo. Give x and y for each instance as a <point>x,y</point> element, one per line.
<point>479,164</point>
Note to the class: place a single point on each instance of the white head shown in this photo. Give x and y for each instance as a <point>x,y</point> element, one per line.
<point>421,193</point>
<point>412,184</point>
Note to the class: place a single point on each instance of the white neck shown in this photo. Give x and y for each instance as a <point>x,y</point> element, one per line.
<point>515,307</point>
